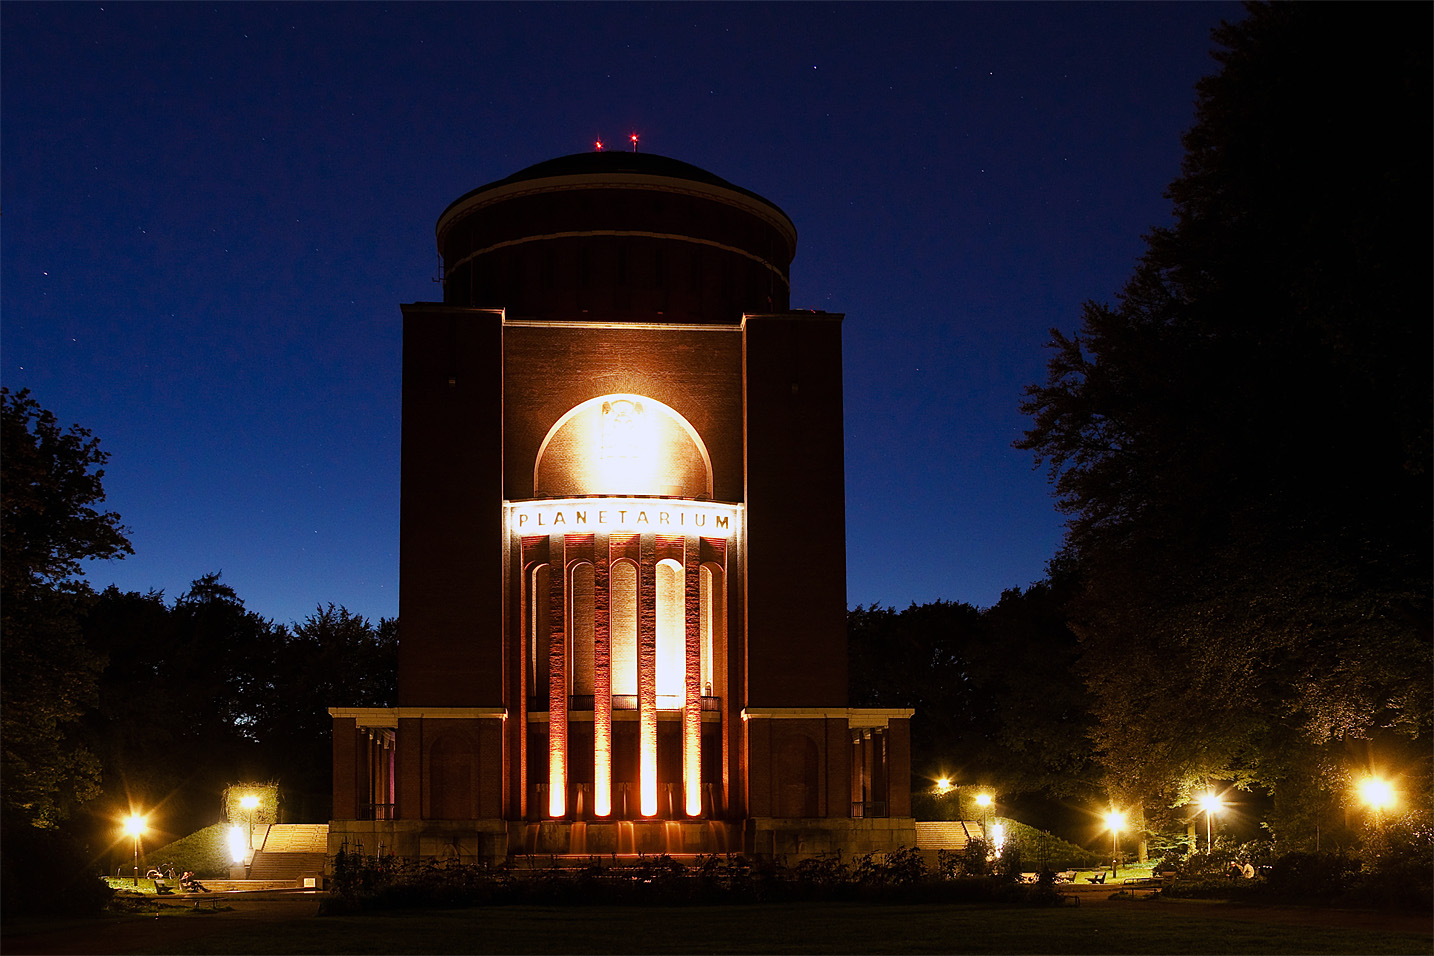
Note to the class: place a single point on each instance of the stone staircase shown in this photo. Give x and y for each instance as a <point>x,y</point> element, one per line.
<point>948,834</point>
<point>290,852</point>
<point>296,838</point>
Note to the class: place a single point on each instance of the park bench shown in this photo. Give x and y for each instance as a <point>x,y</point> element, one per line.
<point>1137,883</point>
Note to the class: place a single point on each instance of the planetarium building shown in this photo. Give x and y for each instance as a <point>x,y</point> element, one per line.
<point>622,552</point>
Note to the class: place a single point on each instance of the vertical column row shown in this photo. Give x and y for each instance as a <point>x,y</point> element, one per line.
<point>380,743</point>
<point>869,791</point>
<point>647,676</point>
<point>692,674</point>
<point>609,617</point>
<point>557,690</point>
<point>602,680</point>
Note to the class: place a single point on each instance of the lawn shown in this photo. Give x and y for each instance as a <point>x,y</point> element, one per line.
<point>795,928</point>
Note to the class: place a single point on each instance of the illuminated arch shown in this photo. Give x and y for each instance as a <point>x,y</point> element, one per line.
<point>622,444</point>
<point>537,580</point>
<point>580,619</point>
<point>623,627</point>
<point>671,642</point>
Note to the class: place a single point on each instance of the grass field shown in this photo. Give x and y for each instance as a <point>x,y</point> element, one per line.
<point>797,928</point>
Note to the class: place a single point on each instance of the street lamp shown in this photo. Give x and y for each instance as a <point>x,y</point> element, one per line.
<point>983,800</point>
<point>945,785</point>
<point>134,827</point>
<point>249,802</point>
<point>1210,804</point>
<point>1378,794</point>
<point>1115,820</point>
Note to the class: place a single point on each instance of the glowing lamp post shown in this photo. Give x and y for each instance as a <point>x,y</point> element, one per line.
<point>135,827</point>
<point>983,800</point>
<point>1210,804</point>
<point>1115,820</point>
<point>241,835</point>
<point>249,802</point>
<point>945,785</point>
<point>1378,794</point>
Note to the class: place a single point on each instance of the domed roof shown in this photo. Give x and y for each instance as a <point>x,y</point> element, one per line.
<point>609,163</point>
<point>617,237</point>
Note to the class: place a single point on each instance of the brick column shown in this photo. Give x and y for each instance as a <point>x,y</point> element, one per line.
<point>692,705</point>
<point>647,674</point>
<point>346,763</point>
<point>557,686</point>
<point>602,681</point>
<point>408,798</point>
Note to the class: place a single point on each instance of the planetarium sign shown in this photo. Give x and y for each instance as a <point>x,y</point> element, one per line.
<point>660,515</point>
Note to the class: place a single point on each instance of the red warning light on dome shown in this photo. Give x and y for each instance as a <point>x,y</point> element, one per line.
<point>598,145</point>
<point>633,137</point>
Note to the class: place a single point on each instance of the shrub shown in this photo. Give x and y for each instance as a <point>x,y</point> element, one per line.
<point>974,859</point>
<point>371,883</point>
<point>1396,859</point>
<point>820,876</point>
<point>1311,876</point>
<point>899,868</point>
<point>45,872</point>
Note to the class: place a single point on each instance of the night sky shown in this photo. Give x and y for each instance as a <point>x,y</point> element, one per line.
<point>213,211</point>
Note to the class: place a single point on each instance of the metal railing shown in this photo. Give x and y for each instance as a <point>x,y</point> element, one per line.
<point>377,811</point>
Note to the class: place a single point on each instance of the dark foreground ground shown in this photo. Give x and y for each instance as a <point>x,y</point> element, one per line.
<point>269,924</point>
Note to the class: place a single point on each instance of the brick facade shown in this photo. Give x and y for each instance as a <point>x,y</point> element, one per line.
<point>622,540</point>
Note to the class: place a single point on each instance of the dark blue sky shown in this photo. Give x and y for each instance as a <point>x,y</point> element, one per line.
<point>213,211</point>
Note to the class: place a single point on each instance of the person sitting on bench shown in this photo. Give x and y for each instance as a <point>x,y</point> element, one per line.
<point>190,884</point>
<point>1096,879</point>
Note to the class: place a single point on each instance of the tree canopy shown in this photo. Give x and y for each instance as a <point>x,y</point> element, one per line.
<point>998,704</point>
<point>119,699</point>
<point>1242,441</point>
<point>201,692</point>
<point>50,481</point>
<point>53,479</point>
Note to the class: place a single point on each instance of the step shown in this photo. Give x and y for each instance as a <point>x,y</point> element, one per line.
<point>947,834</point>
<point>296,838</point>
<point>286,866</point>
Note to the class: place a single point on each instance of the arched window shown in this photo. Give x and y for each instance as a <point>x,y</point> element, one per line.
<point>535,626</point>
<point>580,629</point>
<point>622,444</point>
<point>713,597</point>
<point>671,643</point>
<point>622,623</point>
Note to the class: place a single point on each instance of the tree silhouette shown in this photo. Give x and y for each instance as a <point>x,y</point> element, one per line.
<point>1242,442</point>
<point>50,480</point>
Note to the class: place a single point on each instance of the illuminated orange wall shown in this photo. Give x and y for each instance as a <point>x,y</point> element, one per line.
<point>550,369</point>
